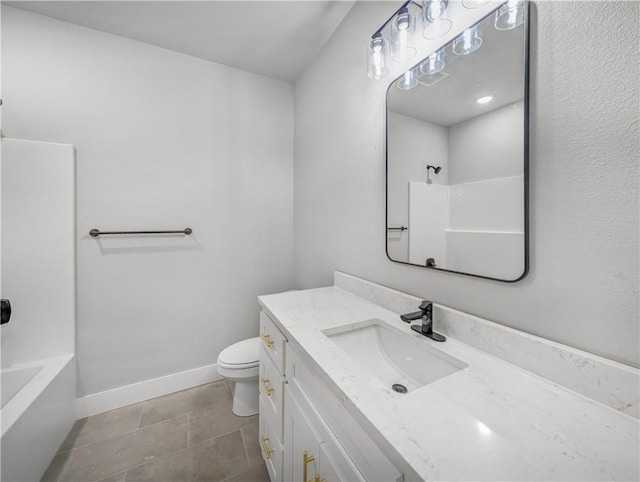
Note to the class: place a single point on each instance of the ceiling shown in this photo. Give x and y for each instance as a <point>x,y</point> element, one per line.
<point>496,68</point>
<point>273,38</point>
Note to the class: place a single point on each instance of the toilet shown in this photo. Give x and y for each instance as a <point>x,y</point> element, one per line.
<point>239,363</point>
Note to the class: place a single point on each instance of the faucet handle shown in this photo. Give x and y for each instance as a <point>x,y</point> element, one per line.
<point>425,304</point>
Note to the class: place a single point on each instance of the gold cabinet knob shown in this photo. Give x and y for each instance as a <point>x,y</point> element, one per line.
<point>266,338</point>
<point>306,458</point>
<point>318,479</point>
<point>265,384</point>
<point>268,451</point>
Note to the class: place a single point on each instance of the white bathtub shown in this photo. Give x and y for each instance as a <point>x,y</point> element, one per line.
<point>38,410</point>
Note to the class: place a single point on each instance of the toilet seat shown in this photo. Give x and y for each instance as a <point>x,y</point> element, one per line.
<point>241,355</point>
<point>240,364</point>
<point>237,366</point>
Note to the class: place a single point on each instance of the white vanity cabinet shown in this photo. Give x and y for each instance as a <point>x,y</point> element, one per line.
<point>305,433</point>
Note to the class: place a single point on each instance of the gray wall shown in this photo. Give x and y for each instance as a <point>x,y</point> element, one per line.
<point>489,146</point>
<point>413,144</point>
<point>582,288</point>
<point>163,140</point>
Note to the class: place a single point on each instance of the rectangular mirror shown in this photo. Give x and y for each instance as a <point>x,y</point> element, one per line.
<point>457,154</point>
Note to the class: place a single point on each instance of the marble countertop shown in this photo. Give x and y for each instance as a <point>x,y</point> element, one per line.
<point>489,421</point>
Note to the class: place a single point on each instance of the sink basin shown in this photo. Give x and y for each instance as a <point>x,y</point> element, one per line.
<point>393,357</point>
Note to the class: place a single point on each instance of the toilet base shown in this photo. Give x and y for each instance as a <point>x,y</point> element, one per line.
<point>245,398</point>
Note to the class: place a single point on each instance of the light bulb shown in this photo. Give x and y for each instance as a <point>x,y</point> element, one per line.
<point>378,57</point>
<point>408,81</point>
<point>434,9</point>
<point>403,30</point>
<point>510,15</point>
<point>432,64</point>
<point>469,41</point>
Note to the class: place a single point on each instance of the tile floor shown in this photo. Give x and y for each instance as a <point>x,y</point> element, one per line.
<point>185,436</point>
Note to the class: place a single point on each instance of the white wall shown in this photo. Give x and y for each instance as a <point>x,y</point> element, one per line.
<point>38,250</point>
<point>413,144</point>
<point>582,288</point>
<point>429,212</point>
<point>489,146</point>
<point>163,141</point>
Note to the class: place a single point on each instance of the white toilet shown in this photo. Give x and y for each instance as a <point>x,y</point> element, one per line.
<point>239,363</point>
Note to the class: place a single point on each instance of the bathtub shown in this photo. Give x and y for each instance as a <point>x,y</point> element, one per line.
<point>38,410</point>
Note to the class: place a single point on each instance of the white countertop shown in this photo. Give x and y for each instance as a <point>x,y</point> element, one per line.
<point>489,421</point>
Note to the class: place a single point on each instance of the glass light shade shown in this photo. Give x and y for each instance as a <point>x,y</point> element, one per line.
<point>434,16</point>
<point>432,10</point>
<point>469,41</point>
<point>408,81</point>
<point>403,30</point>
<point>432,64</point>
<point>378,57</point>
<point>510,15</point>
<point>474,3</point>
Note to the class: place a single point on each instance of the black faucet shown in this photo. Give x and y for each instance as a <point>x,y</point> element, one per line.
<point>426,315</point>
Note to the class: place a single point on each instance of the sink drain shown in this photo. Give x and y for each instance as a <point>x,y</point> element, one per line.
<point>397,387</point>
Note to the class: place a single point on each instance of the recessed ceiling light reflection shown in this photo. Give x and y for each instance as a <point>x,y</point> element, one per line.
<point>483,429</point>
<point>485,99</point>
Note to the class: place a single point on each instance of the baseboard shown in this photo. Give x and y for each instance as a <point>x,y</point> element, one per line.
<point>141,391</point>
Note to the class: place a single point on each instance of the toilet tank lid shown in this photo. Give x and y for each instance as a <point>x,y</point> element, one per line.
<point>241,353</point>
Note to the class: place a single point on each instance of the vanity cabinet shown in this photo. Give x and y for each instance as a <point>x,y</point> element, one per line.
<point>305,432</point>
<point>271,383</point>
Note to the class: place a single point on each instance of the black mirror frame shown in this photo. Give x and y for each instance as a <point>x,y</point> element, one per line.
<point>527,39</point>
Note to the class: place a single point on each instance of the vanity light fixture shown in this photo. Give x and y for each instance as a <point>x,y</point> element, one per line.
<point>435,24</point>
<point>403,29</point>
<point>434,16</point>
<point>378,57</point>
<point>484,99</point>
<point>468,42</point>
<point>510,15</point>
<point>409,80</point>
<point>432,64</point>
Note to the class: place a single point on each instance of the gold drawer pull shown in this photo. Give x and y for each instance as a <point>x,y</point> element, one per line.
<point>268,451</point>
<point>267,388</point>
<point>306,458</point>
<point>318,479</point>
<point>267,340</point>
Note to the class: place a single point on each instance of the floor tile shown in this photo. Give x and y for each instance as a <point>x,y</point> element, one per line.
<point>251,444</point>
<point>174,467</point>
<point>215,420</point>
<point>99,460</point>
<point>257,473</point>
<point>219,458</point>
<point>180,403</point>
<point>103,426</point>
<point>114,478</point>
<point>211,461</point>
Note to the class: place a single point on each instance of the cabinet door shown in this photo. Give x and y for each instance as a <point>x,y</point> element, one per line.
<point>311,450</point>
<point>303,444</point>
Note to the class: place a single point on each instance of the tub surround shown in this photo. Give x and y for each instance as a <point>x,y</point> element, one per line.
<point>37,418</point>
<point>490,421</point>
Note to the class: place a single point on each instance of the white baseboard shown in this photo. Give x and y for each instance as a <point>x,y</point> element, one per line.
<point>141,391</point>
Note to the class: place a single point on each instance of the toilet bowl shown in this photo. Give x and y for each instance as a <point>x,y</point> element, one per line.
<point>239,363</point>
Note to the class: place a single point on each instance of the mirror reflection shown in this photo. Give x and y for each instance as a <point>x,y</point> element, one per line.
<point>456,160</point>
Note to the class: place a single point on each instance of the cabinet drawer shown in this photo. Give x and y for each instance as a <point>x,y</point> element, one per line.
<point>272,389</point>
<point>270,445</point>
<point>273,340</point>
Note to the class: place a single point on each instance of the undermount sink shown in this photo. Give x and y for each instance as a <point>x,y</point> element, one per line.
<point>393,357</point>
